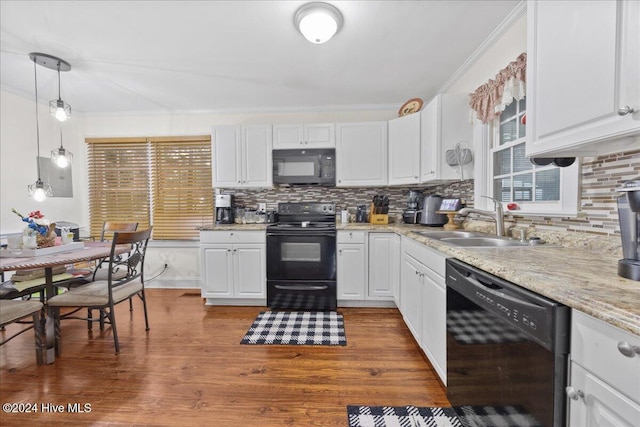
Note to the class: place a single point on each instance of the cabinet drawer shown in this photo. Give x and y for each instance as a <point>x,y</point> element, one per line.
<point>431,258</point>
<point>595,346</point>
<point>232,236</point>
<point>348,236</point>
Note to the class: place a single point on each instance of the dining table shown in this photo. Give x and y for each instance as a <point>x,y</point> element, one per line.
<point>90,251</point>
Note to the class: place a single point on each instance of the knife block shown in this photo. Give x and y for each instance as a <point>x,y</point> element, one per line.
<point>377,218</point>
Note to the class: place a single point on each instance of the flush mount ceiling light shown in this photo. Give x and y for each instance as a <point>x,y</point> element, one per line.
<point>318,22</point>
<point>57,108</point>
<point>39,190</point>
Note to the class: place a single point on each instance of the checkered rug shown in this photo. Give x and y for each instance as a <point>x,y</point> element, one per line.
<point>503,416</point>
<point>401,416</point>
<point>480,327</point>
<point>297,328</point>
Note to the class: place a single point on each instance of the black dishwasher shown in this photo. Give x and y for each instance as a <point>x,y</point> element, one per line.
<point>507,351</point>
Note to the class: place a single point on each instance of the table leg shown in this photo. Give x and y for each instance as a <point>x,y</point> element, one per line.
<point>49,328</point>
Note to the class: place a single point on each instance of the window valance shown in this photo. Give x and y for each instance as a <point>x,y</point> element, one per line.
<point>491,98</point>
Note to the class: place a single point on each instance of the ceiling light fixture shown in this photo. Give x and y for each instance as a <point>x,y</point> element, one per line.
<point>61,157</point>
<point>39,190</point>
<point>318,22</point>
<point>57,108</point>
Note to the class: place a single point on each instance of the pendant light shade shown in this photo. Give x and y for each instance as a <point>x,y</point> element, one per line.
<point>58,108</point>
<point>318,22</point>
<point>40,190</point>
<point>60,156</point>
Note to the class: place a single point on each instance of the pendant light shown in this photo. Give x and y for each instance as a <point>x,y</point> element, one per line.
<point>58,108</point>
<point>318,21</point>
<point>39,190</point>
<point>61,157</point>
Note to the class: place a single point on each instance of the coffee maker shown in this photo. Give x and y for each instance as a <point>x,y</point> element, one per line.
<point>224,209</point>
<point>629,216</point>
<point>411,215</point>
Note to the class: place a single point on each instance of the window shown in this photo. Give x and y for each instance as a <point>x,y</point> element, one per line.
<point>161,181</point>
<point>536,189</point>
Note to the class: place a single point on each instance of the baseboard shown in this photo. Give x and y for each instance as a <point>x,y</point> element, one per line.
<point>173,284</point>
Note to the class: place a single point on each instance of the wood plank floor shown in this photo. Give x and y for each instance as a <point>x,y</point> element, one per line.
<point>190,369</point>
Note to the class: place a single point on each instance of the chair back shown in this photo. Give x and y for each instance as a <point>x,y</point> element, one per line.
<point>132,261</point>
<point>112,226</point>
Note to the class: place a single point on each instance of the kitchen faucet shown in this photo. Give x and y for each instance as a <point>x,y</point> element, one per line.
<point>497,214</point>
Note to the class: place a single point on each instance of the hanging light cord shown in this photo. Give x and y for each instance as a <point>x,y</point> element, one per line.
<point>35,79</point>
<point>59,81</point>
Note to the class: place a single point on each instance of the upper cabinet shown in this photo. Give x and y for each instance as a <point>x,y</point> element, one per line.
<point>242,156</point>
<point>445,126</point>
<point>583,77</point>
<point>361,154</point>
<point>313,135</point>
<point>404,150</point>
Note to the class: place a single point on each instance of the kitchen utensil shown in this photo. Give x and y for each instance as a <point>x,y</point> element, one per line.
<point>629,216</point>
<point>430,205</point>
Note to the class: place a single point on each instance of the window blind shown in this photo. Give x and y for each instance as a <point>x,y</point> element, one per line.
<point>164,181</point>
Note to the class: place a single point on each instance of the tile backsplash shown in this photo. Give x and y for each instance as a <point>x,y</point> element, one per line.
<point>600,176</point>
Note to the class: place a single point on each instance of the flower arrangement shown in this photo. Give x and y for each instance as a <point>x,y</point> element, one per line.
<point>38,226</point>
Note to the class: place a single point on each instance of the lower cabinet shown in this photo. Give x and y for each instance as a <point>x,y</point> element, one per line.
<point>423,301</point>
<point>352,274</point>
<point>233,265</point>
<point>604,383</point>
<point>368,266</point>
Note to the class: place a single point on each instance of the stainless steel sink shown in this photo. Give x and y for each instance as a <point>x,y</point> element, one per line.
<point>483,242</point>
<point>471,239</point>
<point>439,235</point>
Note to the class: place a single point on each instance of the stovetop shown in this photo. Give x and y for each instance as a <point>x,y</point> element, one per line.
<point>314,215</point>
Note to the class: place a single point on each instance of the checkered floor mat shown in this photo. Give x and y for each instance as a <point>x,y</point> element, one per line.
<point>401,416</point>
<point>480,327</point>
<point>502,416</point>
<point>297,328</point>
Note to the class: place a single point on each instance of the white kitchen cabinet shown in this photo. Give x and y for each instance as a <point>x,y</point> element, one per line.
<point>351,265</point>
<point>361,154</point>
<point>384,262</point>
<point>604,383</point>
<point>312,135</point>
<point>423,301</point>
<point>242,156</point>
<point>233,265</point>
<point>404,150</point>
<point>444,125</point>
<point>583,68</point>
<point>411,294</point>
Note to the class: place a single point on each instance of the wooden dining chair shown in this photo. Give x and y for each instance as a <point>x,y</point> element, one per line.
<point>105,295</point>
<point>13,311</point>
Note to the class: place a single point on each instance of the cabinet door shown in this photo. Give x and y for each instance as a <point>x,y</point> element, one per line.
<point>411,295</point>
<point>288,136</point>
<point>351,272</point>
<point>256,153</point>
<point>434,325</point>
<point>226,156</point>
<point>250,270</point>
<point>361,153</point>
<point>217,264</point>
<point>320,135</point>
<point>600,404</point>
<point>582,67</point>
<point>381,265</point>
<point>404,150</point>
<point>395,267</point>
<point>445,125</point>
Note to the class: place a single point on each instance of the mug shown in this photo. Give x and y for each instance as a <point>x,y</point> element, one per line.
<point>66,238</point>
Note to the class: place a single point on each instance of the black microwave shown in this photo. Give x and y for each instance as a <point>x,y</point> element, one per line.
<point>305,167</point>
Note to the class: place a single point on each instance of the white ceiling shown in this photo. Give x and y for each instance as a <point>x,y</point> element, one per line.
<point>217,56</point>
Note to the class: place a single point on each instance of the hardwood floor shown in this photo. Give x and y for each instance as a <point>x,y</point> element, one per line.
<point>190,369</point>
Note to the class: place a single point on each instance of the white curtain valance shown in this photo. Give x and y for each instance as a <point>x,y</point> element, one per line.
<point>491,98</point>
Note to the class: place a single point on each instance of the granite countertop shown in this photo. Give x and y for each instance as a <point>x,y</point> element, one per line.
<point>568,272</point>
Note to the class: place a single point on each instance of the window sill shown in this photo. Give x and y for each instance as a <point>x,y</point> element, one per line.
<point>551,214</point>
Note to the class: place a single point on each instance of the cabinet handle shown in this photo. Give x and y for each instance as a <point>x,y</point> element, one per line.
<point>230,234</point>
<point>417,272</point>
<point>340,251</point>
<point>574,394</point>
<point>627,349</point>
<point>228,250</point>
<point>350,234</point>
<point>625,110</point>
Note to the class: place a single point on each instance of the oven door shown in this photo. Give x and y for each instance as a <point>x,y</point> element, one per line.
<point>301,255</point>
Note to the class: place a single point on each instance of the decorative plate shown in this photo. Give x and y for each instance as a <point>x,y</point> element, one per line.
<point>411,106</point>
